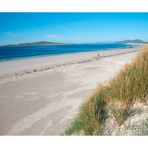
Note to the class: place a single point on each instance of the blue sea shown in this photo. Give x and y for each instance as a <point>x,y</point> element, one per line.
<point>21,52</point>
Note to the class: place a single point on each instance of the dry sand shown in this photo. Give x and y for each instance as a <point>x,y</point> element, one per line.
<point>41,96</point>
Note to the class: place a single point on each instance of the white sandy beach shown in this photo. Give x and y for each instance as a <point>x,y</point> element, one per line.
<point>41,96</point>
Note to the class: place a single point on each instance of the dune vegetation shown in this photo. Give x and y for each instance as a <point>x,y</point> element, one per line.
<point>114,102</point>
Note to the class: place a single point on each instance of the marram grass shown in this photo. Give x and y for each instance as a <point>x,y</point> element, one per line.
<point>114,99</point>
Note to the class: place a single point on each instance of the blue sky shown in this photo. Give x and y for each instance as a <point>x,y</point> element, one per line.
<point>72,27</point>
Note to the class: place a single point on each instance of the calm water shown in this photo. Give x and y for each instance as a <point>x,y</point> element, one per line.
<point>20,52</point>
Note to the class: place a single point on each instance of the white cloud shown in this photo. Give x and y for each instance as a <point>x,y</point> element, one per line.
<point>52,36</point>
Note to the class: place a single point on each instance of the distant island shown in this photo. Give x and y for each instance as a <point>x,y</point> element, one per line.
<point>40,43</point>
<point>131,41</point>
<point>124,42</point>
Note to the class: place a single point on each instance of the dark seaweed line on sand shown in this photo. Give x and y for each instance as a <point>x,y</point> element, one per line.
<point>94,58</point>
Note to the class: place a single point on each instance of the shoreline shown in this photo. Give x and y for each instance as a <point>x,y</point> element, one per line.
<point>15,68</point>
<point>67,53</point>
<point>46,102</point>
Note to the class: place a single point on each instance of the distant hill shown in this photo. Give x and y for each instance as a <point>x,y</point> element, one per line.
<point>40,43</point>
<point>132,41</point>
<point>124,41</point>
